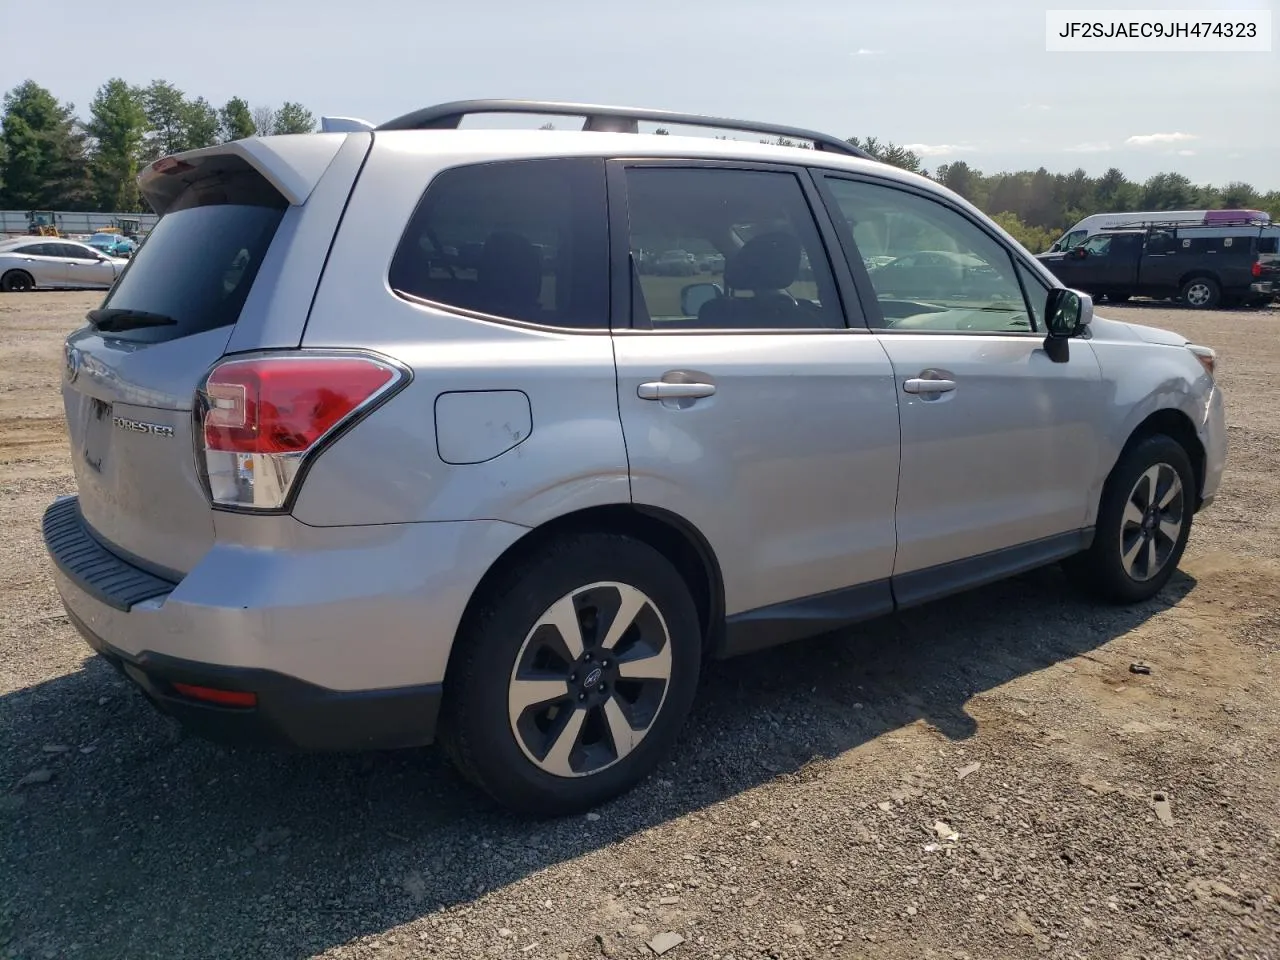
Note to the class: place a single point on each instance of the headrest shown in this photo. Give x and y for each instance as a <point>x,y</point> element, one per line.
<point>770,261</point>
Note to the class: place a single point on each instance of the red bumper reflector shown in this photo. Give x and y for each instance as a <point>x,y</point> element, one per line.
<point>223,698</point>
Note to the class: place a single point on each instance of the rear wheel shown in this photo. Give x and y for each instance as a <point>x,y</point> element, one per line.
<point>1143,524</point>
<point>17,281</point>
<point>574,675</point>
<point>1201,293</point>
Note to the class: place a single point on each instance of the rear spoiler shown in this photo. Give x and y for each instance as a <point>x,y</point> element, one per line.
<point>291,164</point>
<point>345,125</point>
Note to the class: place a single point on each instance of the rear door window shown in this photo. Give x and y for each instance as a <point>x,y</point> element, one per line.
<point>200,261</point>
<point>73,251</point>
<point>524,240</point>
<point>736,249</point>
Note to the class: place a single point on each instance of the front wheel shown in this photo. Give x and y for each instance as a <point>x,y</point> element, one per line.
<point>1201,293</point>
<point>573,676</point>
<point>1143,524</point>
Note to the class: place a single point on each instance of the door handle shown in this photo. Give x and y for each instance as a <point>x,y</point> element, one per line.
<point>663,390</point>
<point>921,385</point>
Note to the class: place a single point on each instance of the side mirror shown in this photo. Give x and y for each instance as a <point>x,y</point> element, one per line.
<point>1079,252</point>
<point>1067,313</point>
<point>694,295</point>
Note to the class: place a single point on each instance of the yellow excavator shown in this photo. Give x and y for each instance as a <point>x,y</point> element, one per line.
<point>40,223</point>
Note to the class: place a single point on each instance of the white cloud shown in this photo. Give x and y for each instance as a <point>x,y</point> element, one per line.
<point>864,52</point>
<point>1186,153</point>
<point>1092,147</point>
<point>1039,107</point>
<point>936,149</point>
<point>1149,139</point>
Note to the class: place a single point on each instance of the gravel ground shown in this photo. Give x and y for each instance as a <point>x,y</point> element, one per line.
<point>981,778</point>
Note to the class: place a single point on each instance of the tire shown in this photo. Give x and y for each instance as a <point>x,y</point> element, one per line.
<point>1118,297</point>
<point>1117,566</point>
<point>1201,293</point>
<point>17,281</point>
<point>560,755</point>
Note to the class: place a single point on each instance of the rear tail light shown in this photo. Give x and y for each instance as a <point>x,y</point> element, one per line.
<point>262,418</point>
<point>1256,270</point>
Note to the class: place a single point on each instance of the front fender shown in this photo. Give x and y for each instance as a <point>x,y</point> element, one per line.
<point>1143,379</point>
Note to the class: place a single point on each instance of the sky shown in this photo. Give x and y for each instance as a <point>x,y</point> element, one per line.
<point>954,80</point>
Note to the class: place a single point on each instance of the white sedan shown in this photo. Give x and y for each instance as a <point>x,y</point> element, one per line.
<point>30,263</point>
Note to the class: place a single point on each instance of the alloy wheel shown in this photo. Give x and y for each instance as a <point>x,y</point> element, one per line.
<point>1152,522</point>
<point>1198,294</point>
<point>590,679</point>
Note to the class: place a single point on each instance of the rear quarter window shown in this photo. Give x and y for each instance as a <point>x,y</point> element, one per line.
<point>201,258</point>
<point>525,240</point>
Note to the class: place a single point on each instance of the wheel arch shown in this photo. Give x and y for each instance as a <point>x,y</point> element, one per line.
<point>1197,273</point>
<point>1176,425</point>
<point>668,533</point>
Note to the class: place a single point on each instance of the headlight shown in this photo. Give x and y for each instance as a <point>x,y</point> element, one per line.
<point>1207,357</point>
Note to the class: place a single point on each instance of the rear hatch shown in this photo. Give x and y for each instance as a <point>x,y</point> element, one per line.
<point>218,257</point>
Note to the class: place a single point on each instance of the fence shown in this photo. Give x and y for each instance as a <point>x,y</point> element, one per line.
<point>16,221</point>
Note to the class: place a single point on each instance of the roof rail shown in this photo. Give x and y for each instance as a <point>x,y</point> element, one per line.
<point>447,116</point>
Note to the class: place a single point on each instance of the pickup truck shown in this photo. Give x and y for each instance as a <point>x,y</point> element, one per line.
<point>1204,266</point>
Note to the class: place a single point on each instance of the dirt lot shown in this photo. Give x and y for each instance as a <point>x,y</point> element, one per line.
<point>973,780</point>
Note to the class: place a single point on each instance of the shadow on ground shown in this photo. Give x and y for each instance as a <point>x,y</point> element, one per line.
<point>154,844</point>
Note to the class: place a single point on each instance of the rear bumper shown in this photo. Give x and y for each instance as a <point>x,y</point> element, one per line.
<point>342,634</point>
<point>290,714</point>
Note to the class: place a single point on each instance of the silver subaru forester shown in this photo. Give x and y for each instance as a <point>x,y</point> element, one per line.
<point>397,434</point>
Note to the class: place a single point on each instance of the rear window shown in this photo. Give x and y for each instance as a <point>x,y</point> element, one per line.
<point>200,260</point>
<point>1269,244</point>
<point>525,240</point>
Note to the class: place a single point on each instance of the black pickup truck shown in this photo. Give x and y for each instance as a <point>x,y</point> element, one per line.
<point>1204,266</point>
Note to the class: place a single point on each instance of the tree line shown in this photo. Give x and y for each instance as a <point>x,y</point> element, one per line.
<point>53,159</point>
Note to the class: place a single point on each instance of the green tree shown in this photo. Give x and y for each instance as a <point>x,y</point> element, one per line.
<point>1168,191</point>
<point>165,107</point>
<point>236,120</point>
<point>200,124</point>
<point>293,118</point>
<point>888,152</point>
<point>1035,239</point>
<point>41,152</point>
<point>1238,194</point>
<point>118,126</point>
<point>964,180</point>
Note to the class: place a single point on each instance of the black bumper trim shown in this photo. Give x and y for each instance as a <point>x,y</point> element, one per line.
<point>91,566</point>
<point>291,714</point>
